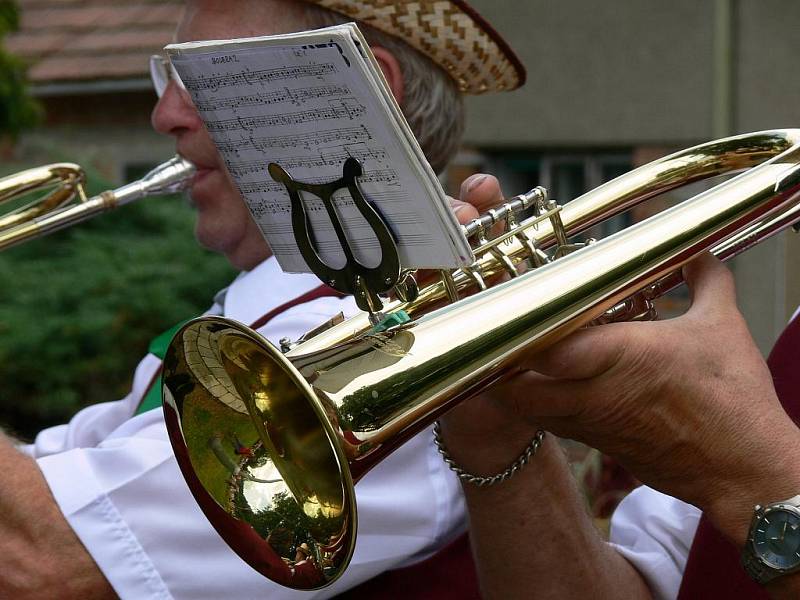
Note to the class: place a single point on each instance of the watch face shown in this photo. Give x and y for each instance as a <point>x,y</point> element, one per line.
<point>776,538</point>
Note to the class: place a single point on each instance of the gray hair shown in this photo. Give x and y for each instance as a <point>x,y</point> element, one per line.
<point>432,103</point>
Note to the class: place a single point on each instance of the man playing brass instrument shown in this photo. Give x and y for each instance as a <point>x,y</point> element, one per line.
<point>99,506</point>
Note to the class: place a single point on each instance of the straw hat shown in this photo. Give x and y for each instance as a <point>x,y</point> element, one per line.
<point>450,32</point>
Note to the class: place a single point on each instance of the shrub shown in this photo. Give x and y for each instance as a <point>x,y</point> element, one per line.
<point>78,308</point>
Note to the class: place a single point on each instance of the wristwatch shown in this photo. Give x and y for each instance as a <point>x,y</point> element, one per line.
<point>773,545</point>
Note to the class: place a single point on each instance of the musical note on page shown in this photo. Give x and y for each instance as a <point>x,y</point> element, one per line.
<point>262,77</point>
<point>296,97</point>
<point>308,102</point>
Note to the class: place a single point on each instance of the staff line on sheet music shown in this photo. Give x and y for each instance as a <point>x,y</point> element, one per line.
<point>329,153</point>
<point>267,186</point>
<point>314,204</point>
<point>345,135</point>
<point>364,243</point>
<point>342,110</point>
<point>261,76</point>
<point>324,159</point>
<point>321,224</point>
<point>287,95</point>
<point>388,176</point>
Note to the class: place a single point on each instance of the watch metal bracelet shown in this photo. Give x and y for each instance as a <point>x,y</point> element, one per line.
<point>755,568</point>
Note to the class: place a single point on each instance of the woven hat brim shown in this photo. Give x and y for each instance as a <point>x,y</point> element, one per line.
<point>450,32</point>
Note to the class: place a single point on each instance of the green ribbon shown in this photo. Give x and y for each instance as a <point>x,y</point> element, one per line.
<point>158,346</point>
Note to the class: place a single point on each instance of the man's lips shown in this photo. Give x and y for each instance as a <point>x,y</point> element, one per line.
<point>204,165</point>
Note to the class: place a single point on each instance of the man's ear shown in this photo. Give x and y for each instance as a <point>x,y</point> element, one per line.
<point>391,70</point>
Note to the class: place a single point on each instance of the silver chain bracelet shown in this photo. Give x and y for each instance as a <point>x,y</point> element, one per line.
<point>463,475</point>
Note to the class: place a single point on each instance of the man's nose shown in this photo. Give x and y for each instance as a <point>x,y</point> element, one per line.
<point>174,112</point>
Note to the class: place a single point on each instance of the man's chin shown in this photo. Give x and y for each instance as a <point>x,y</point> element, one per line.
<point>244,255</point>
<point>213,238</point>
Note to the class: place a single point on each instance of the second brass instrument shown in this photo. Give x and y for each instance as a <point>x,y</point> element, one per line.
<point>66,203</point>
<point>315,420</point>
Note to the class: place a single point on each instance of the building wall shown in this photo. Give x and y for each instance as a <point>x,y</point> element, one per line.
<point>767,89</point>
<point>601,73</point>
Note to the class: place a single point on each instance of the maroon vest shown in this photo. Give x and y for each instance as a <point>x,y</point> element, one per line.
<point>447,575</point>
<point>713,569</point>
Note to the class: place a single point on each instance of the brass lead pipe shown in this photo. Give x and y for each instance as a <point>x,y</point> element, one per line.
<point>317,419</point>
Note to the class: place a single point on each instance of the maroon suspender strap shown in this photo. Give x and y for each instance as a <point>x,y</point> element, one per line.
<point>713,569</point>
<point>447,575</point>
<point>322,291</point>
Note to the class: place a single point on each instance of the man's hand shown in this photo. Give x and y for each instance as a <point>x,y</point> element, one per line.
<point>40,555</point>
<point>687,405</point>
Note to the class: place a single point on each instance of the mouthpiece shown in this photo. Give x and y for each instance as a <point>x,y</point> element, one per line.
<point>167,178</point>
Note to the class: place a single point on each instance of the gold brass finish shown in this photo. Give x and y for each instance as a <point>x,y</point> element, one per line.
<point>272,444</point>
<point>67,178</point>
<point>66,204</point>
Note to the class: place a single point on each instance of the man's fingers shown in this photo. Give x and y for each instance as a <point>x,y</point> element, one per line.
<point>711,285</point>
<point>535,398</point>
<point>481,191</point>
<point>584,354</point>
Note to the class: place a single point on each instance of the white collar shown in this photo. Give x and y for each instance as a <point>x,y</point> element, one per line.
<point>254,293</point>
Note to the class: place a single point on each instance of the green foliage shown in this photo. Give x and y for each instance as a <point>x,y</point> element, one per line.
<point>78,308</point>
<point>18,111</point>
<point>9,17</point>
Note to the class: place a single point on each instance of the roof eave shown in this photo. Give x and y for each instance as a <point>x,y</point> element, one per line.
<point>83,88</point>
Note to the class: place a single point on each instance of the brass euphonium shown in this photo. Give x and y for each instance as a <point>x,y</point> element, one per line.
<point>63,201</point>
<point>271,444</point>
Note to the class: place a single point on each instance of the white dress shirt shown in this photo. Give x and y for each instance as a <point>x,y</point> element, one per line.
<point>115,479</point>
<point>655,533</point>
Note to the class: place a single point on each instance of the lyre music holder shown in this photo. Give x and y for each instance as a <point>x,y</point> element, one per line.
<point>363,282</point>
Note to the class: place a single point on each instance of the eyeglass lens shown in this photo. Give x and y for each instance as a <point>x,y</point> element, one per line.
<point>161,72</point>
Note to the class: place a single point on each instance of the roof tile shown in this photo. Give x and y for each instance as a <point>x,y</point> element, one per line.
<point>90,40</point>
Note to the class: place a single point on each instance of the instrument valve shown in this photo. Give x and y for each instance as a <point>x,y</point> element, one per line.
<point>511,222</point>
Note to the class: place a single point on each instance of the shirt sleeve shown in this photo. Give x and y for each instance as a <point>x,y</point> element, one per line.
<point>128,504</point>
<point>122,492</point>
<point>655,533</point>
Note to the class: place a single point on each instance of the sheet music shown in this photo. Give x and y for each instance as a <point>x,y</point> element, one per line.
<point>308,107</point>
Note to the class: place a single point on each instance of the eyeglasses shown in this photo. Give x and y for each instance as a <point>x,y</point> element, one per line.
<point>161,73</point>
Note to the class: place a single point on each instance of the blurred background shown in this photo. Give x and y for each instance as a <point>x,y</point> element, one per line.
<point>611,85</point>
